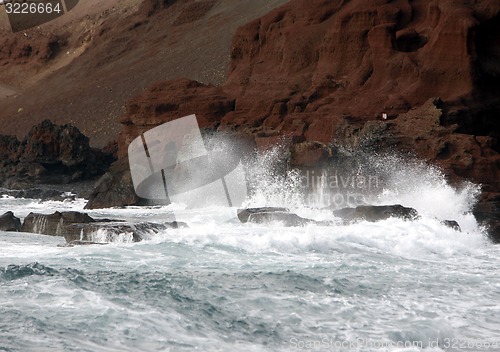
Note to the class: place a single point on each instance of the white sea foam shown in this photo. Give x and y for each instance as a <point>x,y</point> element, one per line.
<point>219,284</point>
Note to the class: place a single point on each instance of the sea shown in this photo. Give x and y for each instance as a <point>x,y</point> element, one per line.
<point>221,285</point>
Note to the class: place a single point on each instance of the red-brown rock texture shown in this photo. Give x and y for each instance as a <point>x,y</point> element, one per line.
<point>184,96</point>
<point>330,59</point>
<point>322,72</point>
<point>310,68</point>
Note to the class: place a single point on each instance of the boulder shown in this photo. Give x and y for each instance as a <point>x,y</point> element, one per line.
<point>270,214</point>
<point>114,189</point>
<point>452,224</point>
<point>62,151</point>
<point>244,214</point>
<point>287,219</point>
<point>57,224</point>
<point>10,223</point>
<point>375,213</point>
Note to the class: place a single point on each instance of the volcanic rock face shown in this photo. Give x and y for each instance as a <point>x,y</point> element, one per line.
<point>114,189</point>
<point>51,154</point>
<point>322,71</point>
<point>145,112</point>
<point>364,58</point>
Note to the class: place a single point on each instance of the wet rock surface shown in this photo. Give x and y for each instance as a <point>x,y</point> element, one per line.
<point>80,229</point>
<point>114,189</point>
<point>81,243</point>
<point>487,214</point>
<point>245,214</point>
<point>452,224</point>
<point>9,222</point>
<point>371,213</point>
<point>56,224</point>
<point>375,213</point>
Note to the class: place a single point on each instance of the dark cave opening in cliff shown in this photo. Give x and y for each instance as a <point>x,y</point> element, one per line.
<point>487,49</point>
<point>484,41</point>
<point>57,168</point>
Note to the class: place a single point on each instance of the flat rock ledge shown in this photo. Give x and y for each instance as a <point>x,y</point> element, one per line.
<point>371,213</point>
<point>81,229</point>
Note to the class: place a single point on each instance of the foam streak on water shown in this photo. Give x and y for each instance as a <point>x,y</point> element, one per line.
<point>393,285</point>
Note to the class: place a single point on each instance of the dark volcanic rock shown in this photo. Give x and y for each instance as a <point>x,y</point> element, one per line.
<point>114,189</point>
<point>62,151</point>
<point>269,214</point>
<point>244,214</point>
<point>10,223</point>
<point>288,219</point>
<point>75,226</point>
<point>487,214</point>
<point>452,224</point>
<point>51,154</point>
<point>57,224</point>
<point>376,213</point>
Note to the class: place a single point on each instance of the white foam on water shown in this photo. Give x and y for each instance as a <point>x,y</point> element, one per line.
<point>387,281</point>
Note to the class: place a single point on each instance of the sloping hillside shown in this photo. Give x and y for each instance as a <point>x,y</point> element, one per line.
<point>83,67</point>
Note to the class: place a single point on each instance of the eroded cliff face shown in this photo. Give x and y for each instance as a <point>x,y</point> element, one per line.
<point>319,73</point>
<point>310,68</point>
<point>330,59</point>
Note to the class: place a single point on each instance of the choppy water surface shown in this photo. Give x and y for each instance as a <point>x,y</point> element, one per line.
<point>220,285</point>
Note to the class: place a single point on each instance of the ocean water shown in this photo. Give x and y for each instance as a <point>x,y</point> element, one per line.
<point>220,285</point>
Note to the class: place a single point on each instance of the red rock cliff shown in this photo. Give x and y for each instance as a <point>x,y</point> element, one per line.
<point>324,71</point>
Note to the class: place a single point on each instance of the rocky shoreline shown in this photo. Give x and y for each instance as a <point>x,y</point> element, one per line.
<point>81,229</point>
<point>361,76</point>
<point>315,77</point>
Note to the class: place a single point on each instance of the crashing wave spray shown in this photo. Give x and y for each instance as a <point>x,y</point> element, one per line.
<point>360,178</point>
<point>270,182</point>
